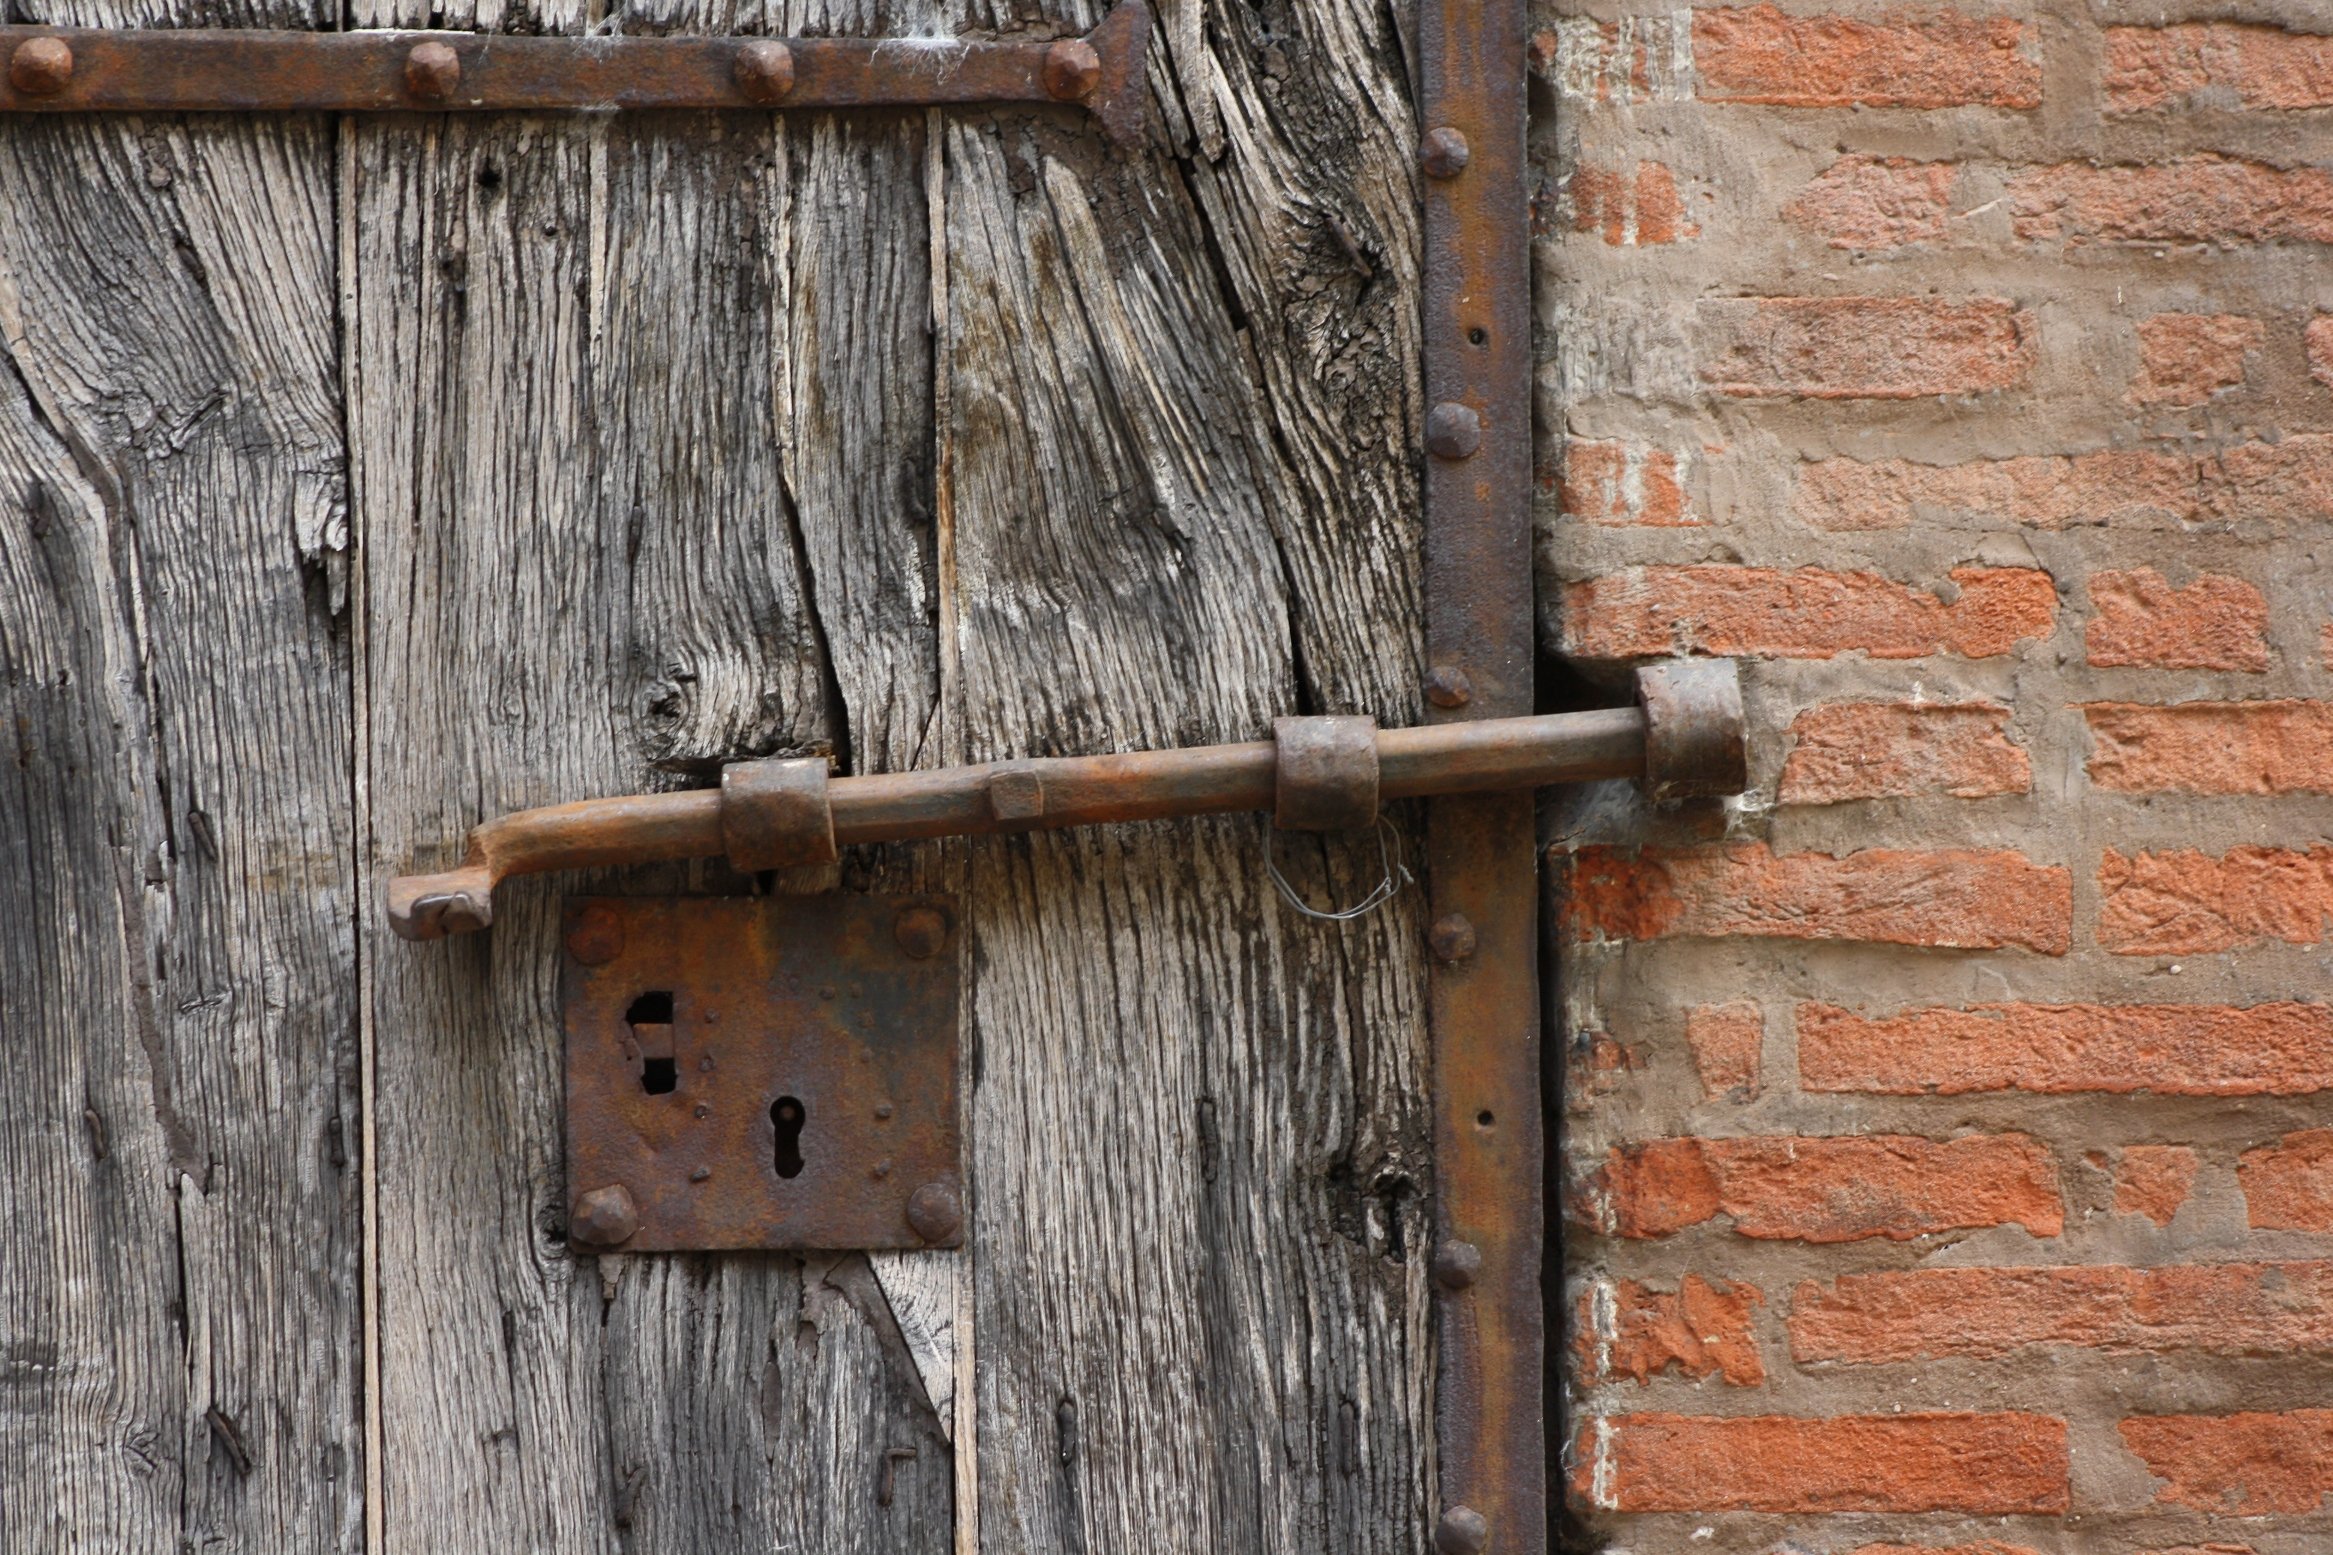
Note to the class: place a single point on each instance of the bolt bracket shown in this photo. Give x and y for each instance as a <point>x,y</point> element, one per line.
<point>762,1072</point>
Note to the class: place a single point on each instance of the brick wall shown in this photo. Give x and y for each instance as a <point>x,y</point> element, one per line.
<point>1950,1156</point>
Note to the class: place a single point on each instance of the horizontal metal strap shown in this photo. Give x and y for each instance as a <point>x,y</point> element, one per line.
<point>1326,773</point>
<point>775,814</point>
<point>83,70</point>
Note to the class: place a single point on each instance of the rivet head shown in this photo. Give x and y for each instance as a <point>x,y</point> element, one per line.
<point>41,67</point>
<point>1451,938</point>
<point>605,1217</point>
<point>432,72</point>
<point>1449,686</point>
<point>921,931</point>
<point>1072,70</point>
<point>1444,153</point>
<point>1456,1264</point>
<point>1453,431</point>
<point>934,1212</point>
<point>1462,1531</point>
<point>597,935</point>
<point>765,71</point>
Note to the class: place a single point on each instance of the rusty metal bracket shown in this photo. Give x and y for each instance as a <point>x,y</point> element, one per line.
<point>87,70</point>
<point>1490,1414</point>
<point>775,1072</point>
<point>1326,775</point>
<point>775,814</point>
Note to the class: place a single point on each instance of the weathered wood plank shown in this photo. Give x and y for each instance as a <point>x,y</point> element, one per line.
<point>1198,1127</point>
<point>179,1304</point>
<point>654,509</point>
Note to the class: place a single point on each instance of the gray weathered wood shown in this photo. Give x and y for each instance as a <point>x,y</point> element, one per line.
<point>1198,1130</point>
<point>180,1292</point>
<point>641,428</point>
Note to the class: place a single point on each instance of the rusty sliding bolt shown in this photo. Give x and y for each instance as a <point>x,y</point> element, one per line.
<point>84,70</point>
<point>1684,737</point>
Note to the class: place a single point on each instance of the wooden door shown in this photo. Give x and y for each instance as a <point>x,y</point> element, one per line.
<point>362,478</point>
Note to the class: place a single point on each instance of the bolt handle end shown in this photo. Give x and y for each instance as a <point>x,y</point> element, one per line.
<point>426,907</point>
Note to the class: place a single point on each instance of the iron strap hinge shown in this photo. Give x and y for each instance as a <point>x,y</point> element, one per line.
<point>86,70</point>
<point>1317,774</point>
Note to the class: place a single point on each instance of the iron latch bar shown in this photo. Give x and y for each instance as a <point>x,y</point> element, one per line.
<point>85,70</point>
<point>1683,737</point>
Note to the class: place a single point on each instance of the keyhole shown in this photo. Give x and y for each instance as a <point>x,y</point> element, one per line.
<point>650,1018</point>
<point>787,1118</point>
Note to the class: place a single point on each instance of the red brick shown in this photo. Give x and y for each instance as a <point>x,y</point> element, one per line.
<point>2255,748</point>
<point>1984,1314</point>
<point>2319,339</point>
<point>1966,899</point>
<point>2286,481</point>
<point>2288,1186</point>
<point>2183,902</point>
<point>2279,1049</point>
<point>1808,613</point>
<point>1896,750</point>
<point>2258,67</point>
<point>1623,483</point>
<point>2154,1181</point>
<point>1976,1463</point>
<point>1727,1041</point>
<point>1636,59</point>
<point>1874,204</point>
<point>2282,482</point>
<point>1885,59</point>
<point>1702,1328</point>
<point>2046,491</point>
<point>2186,358</point>
<point>2201,199</point>
<point>1828,1189</point>
<point>1596,1065</point>
<point>1628,209</point>
<point>2215,623</point>
<point>1845,348</point>
<point>2243,1465</point>
<point>1981,1547</point>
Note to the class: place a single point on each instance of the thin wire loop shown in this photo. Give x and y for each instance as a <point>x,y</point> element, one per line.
<point>1397,875</point>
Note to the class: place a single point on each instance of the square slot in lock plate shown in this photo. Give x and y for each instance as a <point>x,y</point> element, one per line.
<point>773,1072</point>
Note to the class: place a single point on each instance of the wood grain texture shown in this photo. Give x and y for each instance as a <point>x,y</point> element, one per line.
<point>643,408</point>
<point>1198,1127</point>
<point>179,1297</point>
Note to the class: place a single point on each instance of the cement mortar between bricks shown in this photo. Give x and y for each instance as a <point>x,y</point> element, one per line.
<point>1623,334</point>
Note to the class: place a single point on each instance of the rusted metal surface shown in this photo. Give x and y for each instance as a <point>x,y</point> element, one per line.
<point>775,814</point>
<point>79,70</point>
<point>1326,773</point>
<point>774,1072</point>
<point>1483,757</point>
<point>1696,741</point>
<point>1481,850</point>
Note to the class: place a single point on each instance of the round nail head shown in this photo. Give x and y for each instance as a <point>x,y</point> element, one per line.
<point>597,935</point>
<point>41,67</point>
<point>1449,686</point>
<point>1451,938</point>
<point>1444,153</point>
<point>1072,70</point>
<point>765,71</point>
<point>934,1212</point>
<point>1456,1264</point>
<point>1453,431</point>
<point>432,71</point>
<point>605,1217</point>
<point>921,931</point>
<point>1462,1531</point>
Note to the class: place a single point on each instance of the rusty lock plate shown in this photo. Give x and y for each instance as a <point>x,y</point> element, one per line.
<point>772,1072</point>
